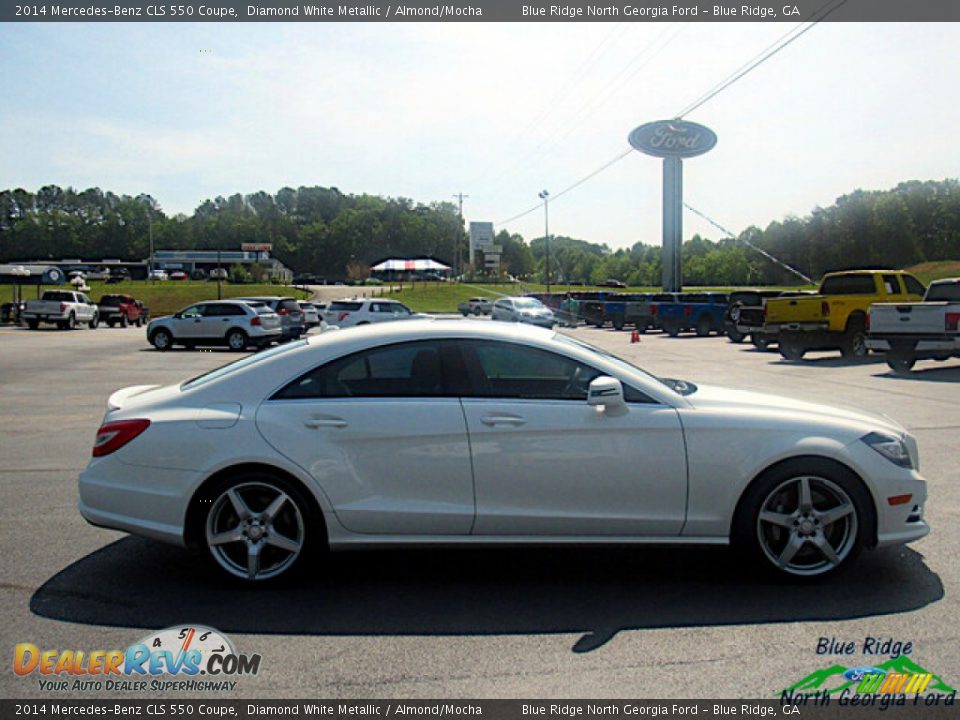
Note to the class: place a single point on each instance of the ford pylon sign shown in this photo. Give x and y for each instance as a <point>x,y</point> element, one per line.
<point>673,138</point>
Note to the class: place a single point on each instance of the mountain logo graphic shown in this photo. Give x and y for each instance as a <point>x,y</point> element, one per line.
<point>897,675</point>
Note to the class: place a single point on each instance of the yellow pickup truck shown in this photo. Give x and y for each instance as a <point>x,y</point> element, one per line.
<point>836,317</point>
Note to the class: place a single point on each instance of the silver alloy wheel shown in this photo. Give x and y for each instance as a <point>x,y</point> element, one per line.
<point>237,340</point>
<point>161,340</point>
<point>807,525</point>
<point>255,530</point>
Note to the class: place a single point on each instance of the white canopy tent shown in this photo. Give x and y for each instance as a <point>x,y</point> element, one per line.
<point>418,265</point>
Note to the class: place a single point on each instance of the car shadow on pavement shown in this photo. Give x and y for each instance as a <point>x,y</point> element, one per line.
<point>932,373</point>
<point>831,361</point>
<point>596,592</point>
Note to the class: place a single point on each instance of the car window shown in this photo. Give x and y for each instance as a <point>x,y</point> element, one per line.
<point>229,368</point>
<point>914,286</point>
<point>944,291</point>
<point>848,285</point>
<point>194,311</point>
<point>291,306</point>
<point>521,372</point>
<point>410,369</point>
<point>891,284</point>
<point>345,306</point>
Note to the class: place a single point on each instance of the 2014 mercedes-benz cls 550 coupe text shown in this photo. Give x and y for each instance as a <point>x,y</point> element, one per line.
<point>459,432</point>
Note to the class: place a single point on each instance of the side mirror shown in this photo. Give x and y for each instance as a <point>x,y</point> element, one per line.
<point>606,392</point>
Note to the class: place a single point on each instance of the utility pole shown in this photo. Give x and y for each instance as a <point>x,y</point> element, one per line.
<point>458,248</point>
<point>150,233</point>
<point>219,276</point>
<point>545,196</point>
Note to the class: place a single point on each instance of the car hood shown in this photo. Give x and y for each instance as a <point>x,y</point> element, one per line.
<point>711,397</point>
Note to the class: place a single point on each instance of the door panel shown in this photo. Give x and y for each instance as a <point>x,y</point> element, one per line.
<point>560,467</point>
<point>388,465</point>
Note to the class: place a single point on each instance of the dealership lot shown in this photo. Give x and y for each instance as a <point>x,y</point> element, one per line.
<point>506,623</point>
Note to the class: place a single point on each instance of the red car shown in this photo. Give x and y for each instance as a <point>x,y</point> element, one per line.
<point>122,310</point>
<point>179,275</point>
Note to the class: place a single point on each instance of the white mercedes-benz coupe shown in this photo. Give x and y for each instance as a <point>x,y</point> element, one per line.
<point>455,432</point>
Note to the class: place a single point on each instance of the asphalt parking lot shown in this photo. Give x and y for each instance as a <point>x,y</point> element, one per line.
<point>470,624</point>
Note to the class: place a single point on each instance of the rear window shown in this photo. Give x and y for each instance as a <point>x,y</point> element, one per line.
<point>848,285</point>
<point>944,291</point>
<point>346,306</point>
<point>61,296</point>
<point>291,306</point>
<point>112,300</point>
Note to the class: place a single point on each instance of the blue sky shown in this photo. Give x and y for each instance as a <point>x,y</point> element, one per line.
<point>187,112</point>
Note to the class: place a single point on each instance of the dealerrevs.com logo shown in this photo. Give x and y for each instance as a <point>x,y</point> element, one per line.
<point>181,658</point>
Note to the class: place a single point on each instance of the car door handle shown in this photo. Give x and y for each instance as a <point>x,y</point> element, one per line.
<point>329,422</point>
<point>492,420</point>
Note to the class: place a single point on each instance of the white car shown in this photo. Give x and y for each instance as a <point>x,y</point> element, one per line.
<point>233,323</point>
<point>523,309</point>
<point>359,311</point>
<point>158,275</point>
<point>455,432</point>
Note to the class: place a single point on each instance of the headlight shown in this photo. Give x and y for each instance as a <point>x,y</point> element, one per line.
<point>892,448</point>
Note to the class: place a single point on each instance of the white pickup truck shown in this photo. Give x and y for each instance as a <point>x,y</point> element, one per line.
<point>907,332</point>
<point>66,308</point>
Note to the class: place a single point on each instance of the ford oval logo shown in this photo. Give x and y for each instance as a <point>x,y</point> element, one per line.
<point>673,138</point>
<point>856,674</point>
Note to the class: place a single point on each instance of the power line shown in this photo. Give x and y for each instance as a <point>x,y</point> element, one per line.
<point>764,55</point>
<point>749,244</point>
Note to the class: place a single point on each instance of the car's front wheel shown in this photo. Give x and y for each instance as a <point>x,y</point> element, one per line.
<point>804,519</point>
<point>162,340</point>
<point>256,527</point>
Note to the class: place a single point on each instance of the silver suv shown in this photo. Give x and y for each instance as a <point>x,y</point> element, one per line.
<point>292,320</point>
<point>217,322</point>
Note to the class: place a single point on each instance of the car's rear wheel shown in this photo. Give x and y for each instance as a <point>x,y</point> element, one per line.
<point>618,322</point>
<point>804,519</point>
<point>70,323</point>
<point>704,326</point>
<point>760,342</point>
<point>854,344</point>
<point>237,340</point>
<point>124,321</point>
<point>162,340</point>
<point>900,362</point>
<point>33,324</point>
<point>256,528</point>
<point>94,322</point>
<point>671,327</point>
<point>735,336</point>
<point>478,311</point>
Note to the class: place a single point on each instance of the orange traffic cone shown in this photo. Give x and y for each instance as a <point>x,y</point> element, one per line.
<point>635,336</point>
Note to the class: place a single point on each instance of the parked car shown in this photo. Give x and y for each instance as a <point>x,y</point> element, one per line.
<point>524,310</point>
<point>467,433</point>
<point>475,306</point>
<point>612,283</point>
<point>198,274</point>
<point>311,315</point>
<point>749,319</point>
<point>10,312</point>
<point>288,309</point>
<point>65,308</point>
<point>364,311</point>
<point>736,301</point>
<point>179,275</point>
<point>158,275</point>
<point>115,280</point>
<point>233,323</point>
<point>836,317</point>
<point>907,332</point>
<point>702,313</point>
<point>122,310</point>
<point>218,274</point>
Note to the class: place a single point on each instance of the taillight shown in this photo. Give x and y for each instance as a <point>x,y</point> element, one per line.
<point>951,320</point>
<point>653,309</point>
<point>255,320</point>
<point>868,321</point>
<point>764,313</point>
<point>824,308</point>
<point>114,435</point>
<point>687,310</point>
<point>63,307</point>
<point>281,311</point>
<point>342,316</point>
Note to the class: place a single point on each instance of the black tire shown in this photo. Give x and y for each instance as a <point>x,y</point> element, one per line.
<point>761,342</point>
<point>94,322</point>
<point>70,323</point>
<point>618,322</point>
<point>854,345</point>
<point>465,313</point>
<point>792,348</point>
<point>110,323</point>
<point>671,328</point>
<point>477,311</point>
<point>33,324</point>
<point>736,336</point>
<point>139,322</point>
<point>773,522</point>
<point>161,339</point>
<point>704,326</point>
<point>642,327</point>
<point>124,321</point>
<point>237,340</point>
<point>297,522</point>
<point>901,363</point>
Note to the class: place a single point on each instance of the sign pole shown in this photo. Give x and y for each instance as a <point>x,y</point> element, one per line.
<point>672,223</point>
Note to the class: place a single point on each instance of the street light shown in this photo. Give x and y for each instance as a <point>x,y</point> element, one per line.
<point>19,272</point>
<point>544,195</point>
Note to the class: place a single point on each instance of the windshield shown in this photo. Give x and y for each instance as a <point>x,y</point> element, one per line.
<point>680,387</point>
<point>229,368</point>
